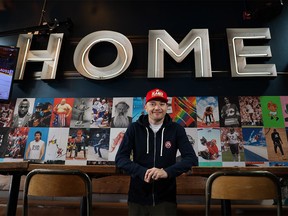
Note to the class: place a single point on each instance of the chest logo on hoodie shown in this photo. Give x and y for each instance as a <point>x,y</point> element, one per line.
<point>168,144</point>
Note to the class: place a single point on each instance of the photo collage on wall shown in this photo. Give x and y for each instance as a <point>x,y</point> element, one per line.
<point>223,130</point>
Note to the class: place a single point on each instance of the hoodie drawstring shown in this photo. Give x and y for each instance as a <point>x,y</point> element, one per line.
<point>162,137</point>
<point>147,141</point>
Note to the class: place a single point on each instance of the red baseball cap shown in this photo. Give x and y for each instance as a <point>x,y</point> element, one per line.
<point>156,94</point>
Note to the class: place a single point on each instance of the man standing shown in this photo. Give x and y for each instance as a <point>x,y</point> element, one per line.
<point>277,141</point>
<point>233,140</point>
<point>230,114</point>
<point>21,119</point>
<point>36,148</point>
<point>82,107</point>
<point>154,140</point>
<point>79,142</point>
<point>62,112</point>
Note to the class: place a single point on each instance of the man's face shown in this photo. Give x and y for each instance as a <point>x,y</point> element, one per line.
<point>23,108</point>
<point>121,109</point>
<point>79,133</point>
<point>226,100</point>
<point>156,110</point>
<point>37,136</point>
<point>63,101</point>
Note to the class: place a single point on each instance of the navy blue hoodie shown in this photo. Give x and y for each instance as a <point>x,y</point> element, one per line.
<point>154,150</point>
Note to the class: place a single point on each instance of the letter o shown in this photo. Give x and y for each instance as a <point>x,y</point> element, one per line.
<point>120,64</point>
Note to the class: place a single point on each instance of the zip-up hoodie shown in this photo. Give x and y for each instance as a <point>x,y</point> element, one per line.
<point>154,150</point>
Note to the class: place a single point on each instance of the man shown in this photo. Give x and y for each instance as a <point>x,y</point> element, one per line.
<point>82,107</point>
<point>121,118</point>
<point>208,116</point>
<point>22,118</point>
<point>233,141</point>
<point>277,141</point>
<point>5,115</point>
<point>211,152</point>
<point>154,140</point>
<point>100,112</point>
<point>230,114</point>
<point>250,112</point>
<point>36,148</point>
<point>46,114</point>
<point>273,110</point>
<point>62,112</point>
<point>41,116</point>
<point>36,116</point>
<point>79,142</point>
<point>102,143</point>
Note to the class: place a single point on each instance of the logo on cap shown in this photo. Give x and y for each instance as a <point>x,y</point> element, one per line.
<point>156,93</point>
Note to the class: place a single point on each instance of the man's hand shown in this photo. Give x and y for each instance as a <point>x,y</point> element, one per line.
<point>155,174</point>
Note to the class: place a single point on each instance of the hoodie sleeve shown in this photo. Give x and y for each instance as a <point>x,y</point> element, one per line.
<point>188,156</point>
<point>123,156</point>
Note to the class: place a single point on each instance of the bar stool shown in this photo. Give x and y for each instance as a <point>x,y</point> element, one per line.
<point>58,183</point>
<point>242,185</point>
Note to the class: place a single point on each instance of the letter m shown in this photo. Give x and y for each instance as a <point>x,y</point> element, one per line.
<point>196,39</point>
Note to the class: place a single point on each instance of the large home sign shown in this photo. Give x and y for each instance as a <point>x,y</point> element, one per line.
<point>196,40</point>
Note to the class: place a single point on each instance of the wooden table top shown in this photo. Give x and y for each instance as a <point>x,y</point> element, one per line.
<point>6,167</point>
<point>280,171</point>
<point>89,169</point>
<point>14,166</point>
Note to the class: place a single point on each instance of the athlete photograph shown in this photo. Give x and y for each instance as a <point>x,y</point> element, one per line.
<point>36,144</point>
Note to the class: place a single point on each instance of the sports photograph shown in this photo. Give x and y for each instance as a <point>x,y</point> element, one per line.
<point>250,111</point>
<point>277,145</point>
<point>255,146</point>
<point>207,112</point>
<point>209,147</point>
<point>81,113</point>
<point>232,145</point>
<point>272,111</point>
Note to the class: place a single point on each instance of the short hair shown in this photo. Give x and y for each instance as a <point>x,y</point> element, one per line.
<point>38,132</point>
<point>25,100</point>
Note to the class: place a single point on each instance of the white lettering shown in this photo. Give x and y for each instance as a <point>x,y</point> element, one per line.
<point>160,40</point>
<point>238,53</point>
<point>50,56</point>
<point>121,63</point>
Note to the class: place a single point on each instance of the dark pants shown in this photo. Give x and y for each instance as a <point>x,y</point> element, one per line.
<point>162,209</point>
<point>278,145</point>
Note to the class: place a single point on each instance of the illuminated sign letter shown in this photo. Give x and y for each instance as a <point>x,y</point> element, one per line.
<point>120,64</point>
<point>238,53</point>
<point>50,56</point>
<point>160,40</point>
